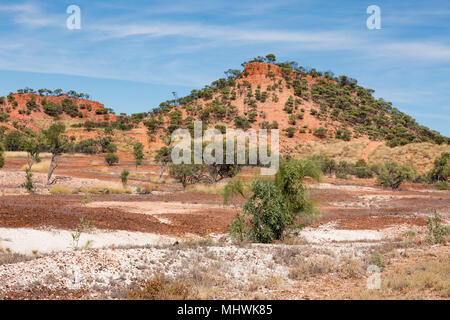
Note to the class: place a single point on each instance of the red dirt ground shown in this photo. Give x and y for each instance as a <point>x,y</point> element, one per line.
<point>335,203</point>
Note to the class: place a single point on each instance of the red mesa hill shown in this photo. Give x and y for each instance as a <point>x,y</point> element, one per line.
<point>35,111</point>
<point>306,105</point>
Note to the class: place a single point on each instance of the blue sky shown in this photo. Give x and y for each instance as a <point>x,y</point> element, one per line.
<point>130,55</point>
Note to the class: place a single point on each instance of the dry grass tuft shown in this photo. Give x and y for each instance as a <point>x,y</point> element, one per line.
<point>103,190</point>
<point>60,191</point>
<point>42,166</point>
<point>160,288</point>
<point>312,267</point>
<point>146,189</point>
<point>163,180</point>
<point>213,188</point>
<point>8,257</point>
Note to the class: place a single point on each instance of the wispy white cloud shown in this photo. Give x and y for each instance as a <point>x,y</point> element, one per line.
<point>18,8</point>
<point>30,15</point>
<point>310,39</point>
<point>425,50</point>
<point>306,40</point>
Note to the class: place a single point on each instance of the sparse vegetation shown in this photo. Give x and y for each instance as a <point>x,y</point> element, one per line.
<point>8,257</point>
<point>56,143</point>
<point>60,191</point>
<point>124,176</point>
<point>83,226</point>
<point>392,174</point>
<point>138,152</point>
<point>276,205</point>
<point>437,232</point>
<point>160,288</point>
<point>2,155</point>
<point>111,159</point>
<point>441,169</point>
<point>29,185</point>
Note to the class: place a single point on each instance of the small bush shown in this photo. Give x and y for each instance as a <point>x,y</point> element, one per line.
<point>268,211</point>
<point>111,159</point>
<point>441,185</point>
<point>13,141</point>
<point>290,131</point>
<point>124,176</point>
<point>29,181</point>
<point>437,232</point>
<point>343,134</point>
<point>392,174</point>
<point>441,169</point>
<point>276,205</point>
<point>2,155</point>
<point>377,260</point>
<point>321,132</point>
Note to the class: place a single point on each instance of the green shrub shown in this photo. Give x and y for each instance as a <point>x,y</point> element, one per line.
<point>441,169</point>
<point>442,185</point>
<point>320,132</point>
<point>138,153</point>
<point>242,123</point>
<point>276,205</point>
<point>289,179</point>
<point>13,141</point>
<point>268,212</point>
<point>32,105</point>
<point>29,181</point>
<point>290,131</point>
<point>52,109</point>
<point>343,134</point>
<point>361,170</point>
<point>111,148</point>
<point>392,174</point>
<point>437,232</point>
<point>4,117</point>
<point>185,173</point>
<point>111,159</point>
<point>124,176</point>
<point>377,260</point>
<point>70,108</point>
<point>342,175</point>
<point>2,155</point>
<point>89,146</point>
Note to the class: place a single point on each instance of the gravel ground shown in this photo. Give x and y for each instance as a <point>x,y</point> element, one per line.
<point>100,273</point>
<point>29,241</point>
